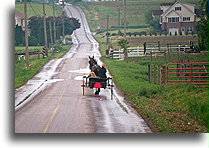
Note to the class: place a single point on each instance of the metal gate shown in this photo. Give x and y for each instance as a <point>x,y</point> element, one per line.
<point>187,73</point>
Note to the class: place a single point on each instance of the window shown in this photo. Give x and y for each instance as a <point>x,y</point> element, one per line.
<point>173,19</point>
<point>177,8</point>
<point>186,19</point>
<point>189,29</point>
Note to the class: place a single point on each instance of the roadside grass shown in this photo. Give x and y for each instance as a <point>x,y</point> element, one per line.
<point>20,49</point>
<point>172,109</point>
<point>36,9</point>
<point>22,75</point>
<point>176,109</point>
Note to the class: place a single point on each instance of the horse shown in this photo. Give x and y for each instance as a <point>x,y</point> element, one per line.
<point>93,66</point>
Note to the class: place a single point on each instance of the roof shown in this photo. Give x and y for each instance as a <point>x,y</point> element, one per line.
<point>170,4</point>
<point>157,12</point>
<point>19,14</point>
<point>167,4</point>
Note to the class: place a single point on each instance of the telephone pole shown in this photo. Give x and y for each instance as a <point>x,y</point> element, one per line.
<point>118,20</point>
<point>50,31</point>
<point>125,19</point>
<point>107,34</point>
<point>63,21</point>
<point>55,38</point>
<point>45,35</point>
<point>26,34</point>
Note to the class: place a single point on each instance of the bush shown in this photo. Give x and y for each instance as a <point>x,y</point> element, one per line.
<point>32,41</point>
<point>58,47</point>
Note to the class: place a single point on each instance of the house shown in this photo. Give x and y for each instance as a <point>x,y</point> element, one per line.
<point>177,17</point>
<point>20,19</point>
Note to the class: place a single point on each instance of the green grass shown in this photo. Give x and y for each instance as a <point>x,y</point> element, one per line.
<point>20,49</point>
<point>36,9</point>
<point>22,75</point>
<point>176,109</point>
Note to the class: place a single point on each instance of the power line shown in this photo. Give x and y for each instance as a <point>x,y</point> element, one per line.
<point>33,9</point>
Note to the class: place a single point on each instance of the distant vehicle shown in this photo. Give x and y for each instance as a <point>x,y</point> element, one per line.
<point>190,51</point>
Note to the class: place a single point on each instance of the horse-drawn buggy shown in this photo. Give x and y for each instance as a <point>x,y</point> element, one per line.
<point>97,78</point>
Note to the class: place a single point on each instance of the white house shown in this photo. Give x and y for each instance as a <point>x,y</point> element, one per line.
<point>19,19</point>
<point>176,17</point>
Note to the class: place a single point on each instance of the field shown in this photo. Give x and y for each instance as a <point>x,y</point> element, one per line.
<point>164,39</point>
<point>36,9</point>
<point>97,13</point>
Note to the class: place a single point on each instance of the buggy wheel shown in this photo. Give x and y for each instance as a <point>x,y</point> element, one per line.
<point>83,90</point>
<point>111,91</point>
<point>83,86</point>
<point>97,91</point>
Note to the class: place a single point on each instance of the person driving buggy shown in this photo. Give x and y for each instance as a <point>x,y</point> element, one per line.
<point>102,72</point>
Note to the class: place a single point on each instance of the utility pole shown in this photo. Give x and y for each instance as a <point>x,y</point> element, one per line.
<point>26,35</point>
<point>125,19</point>
<point>63,21</point>
<point>50,30</point>
<point>45,35</point>
<point>118,20</point>
<point>125,49</point>
<point>107,34</point>
<point>55,38</point>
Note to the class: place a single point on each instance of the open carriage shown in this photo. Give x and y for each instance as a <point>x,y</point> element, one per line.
<point>97,83</point>
<point>100,80</point>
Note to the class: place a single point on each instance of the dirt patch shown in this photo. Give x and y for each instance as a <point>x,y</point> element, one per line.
<point>164,39</point>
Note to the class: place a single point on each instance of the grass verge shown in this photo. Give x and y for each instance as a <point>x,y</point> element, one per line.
<point>22,75</point>
<point>176,109</point>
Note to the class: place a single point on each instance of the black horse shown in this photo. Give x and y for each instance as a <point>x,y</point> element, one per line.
<point>99,72</point>
<point>93,66</point>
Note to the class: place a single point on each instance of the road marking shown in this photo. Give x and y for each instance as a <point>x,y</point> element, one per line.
<point>50,119</point>
<point>54,112</point>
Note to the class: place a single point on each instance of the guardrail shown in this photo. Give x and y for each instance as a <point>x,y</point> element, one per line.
<point>187,73</point>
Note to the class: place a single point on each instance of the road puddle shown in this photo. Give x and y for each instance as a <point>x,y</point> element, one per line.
<point>81,70</point>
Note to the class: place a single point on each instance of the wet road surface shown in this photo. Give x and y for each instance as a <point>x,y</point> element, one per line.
<point>52,102</point>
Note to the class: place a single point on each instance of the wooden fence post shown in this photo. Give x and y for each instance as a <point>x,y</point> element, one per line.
<point>149,73</point>
<point>159,75</point>
<point>151,55</point>
<point>163,75</point>
<point>155,74</point>
<point>159,45</point>
<point>145,48</point>
<point>165,56</point>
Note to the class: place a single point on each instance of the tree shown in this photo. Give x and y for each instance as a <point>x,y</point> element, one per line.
<point>123,43</point>
<point>153,22</point>
<point>19,35</point>
<point>32,41</point>
<point>203,27</point>
<point>36,27</point>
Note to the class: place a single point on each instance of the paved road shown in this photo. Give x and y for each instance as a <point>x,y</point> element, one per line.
<point>52,102</point>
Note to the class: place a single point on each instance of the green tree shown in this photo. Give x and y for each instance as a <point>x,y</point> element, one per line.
<point>153,22</point>
<point>203,27</point>
<point>19,35</point>
<point>123,43</point>
<point>32,41</point>
<point>37,29</point>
